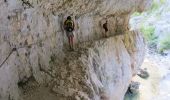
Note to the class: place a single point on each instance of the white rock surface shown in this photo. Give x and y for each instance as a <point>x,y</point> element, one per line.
<point>105,68</point>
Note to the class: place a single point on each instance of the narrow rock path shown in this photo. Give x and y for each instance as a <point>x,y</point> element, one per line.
<point>33,91</point>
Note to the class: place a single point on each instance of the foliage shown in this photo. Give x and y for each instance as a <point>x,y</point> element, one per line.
<point>148,32</point>
<point>156,4</point>
<point>136,14</point>
<point>164,44</point>
<point>149,35</point>
<point>147,21</point>
<point>162,1</point>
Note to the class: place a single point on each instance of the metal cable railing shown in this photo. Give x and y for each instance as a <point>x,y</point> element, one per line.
<point>29,45</point>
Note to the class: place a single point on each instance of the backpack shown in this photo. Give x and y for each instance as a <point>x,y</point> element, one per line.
<point>69,25</point>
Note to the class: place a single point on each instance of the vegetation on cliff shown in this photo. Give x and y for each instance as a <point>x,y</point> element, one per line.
<point>154,24</point>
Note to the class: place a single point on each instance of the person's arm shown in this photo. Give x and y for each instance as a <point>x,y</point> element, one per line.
<point>64,26</point>
<point>73,25</point>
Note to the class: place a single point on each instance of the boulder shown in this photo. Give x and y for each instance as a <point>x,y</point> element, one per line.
<point>143,73</point>
<point>133,88</point>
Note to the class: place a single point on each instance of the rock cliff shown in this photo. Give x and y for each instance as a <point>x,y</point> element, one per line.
<point>98,69</point>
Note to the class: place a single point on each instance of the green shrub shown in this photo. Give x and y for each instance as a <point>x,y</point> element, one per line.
<point>164,44</point>
<point>136,14</point>
<point>155,5</point>
<point>148,32</point>
<point>162,1</point>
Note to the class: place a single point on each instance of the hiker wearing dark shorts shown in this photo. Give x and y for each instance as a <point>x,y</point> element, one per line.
<point>105,29</point>
<point>69,28</point>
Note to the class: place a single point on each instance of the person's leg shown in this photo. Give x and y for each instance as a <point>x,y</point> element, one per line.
<point>106,33</point>
<point>69,41</point>
<point>72,42</point>
<point>67,33</point>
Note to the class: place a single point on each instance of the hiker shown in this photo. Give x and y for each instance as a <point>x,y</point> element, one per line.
<point>69,28</point>
<point>105,29</point>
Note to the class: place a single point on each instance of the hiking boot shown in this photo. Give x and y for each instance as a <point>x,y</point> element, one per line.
<point>72,49</point>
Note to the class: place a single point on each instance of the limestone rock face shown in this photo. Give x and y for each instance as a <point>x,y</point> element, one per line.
<point>103,69</point>
<point>99,68</point>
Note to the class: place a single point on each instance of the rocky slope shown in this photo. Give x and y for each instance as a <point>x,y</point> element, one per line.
<point>97,69</point>
<point>158,19</point>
